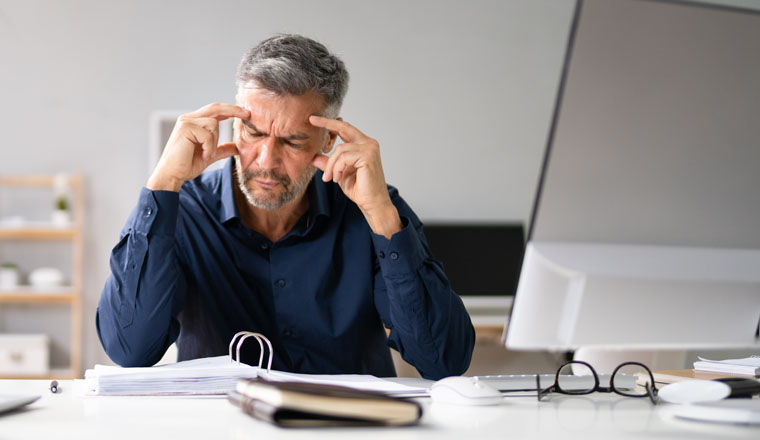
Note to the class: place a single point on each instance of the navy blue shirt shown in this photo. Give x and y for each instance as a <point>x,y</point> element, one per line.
<point>187,269</point>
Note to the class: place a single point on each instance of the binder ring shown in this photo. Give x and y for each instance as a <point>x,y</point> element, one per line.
<point>258,337</point>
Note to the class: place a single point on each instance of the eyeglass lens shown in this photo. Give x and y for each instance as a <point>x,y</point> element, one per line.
<point>632,379</point>
<point>576,378</point>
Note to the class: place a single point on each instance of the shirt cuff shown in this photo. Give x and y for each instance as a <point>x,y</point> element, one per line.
<point>156,212</point>
<point>402,254</point>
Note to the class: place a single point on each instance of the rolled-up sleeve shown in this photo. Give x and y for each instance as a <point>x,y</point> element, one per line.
<point>428,323</point>
<point>135,318</point>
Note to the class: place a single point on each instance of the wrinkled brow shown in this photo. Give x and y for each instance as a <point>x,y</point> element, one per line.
<point>292,137</point>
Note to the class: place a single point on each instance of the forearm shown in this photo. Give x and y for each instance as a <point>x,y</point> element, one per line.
<point>384,220</point>
<point>429,324</point>
<point>145,289</point>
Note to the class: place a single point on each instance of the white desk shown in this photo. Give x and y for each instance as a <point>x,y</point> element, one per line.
<point>608,416</point>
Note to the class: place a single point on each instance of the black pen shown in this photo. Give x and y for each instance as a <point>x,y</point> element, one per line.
<point>54,386</point>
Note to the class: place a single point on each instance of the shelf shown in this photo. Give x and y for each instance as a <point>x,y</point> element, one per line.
<point>54,373</point>
<point>35,180</point>
<point>38,233</point>
<point>18,228</point>
<point>28,294</point>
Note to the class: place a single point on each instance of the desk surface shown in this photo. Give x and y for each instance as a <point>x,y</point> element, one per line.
<point>66,415</point>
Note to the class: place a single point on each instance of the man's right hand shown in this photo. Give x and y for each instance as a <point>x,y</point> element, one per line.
<point>192,146</point>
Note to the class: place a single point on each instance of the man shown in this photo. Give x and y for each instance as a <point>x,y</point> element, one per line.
<point>315,260</point>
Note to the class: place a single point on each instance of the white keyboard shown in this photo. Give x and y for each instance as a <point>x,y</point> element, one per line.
<point>527,382</point>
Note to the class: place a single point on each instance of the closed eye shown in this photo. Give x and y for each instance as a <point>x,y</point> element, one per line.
<point>255,134</point>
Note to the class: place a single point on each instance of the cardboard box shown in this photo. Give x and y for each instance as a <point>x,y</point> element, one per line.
<point>24,355</point>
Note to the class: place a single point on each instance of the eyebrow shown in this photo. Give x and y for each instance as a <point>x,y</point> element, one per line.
<point>292,137</point>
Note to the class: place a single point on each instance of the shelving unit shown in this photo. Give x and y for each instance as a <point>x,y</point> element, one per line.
<point>70,296</point>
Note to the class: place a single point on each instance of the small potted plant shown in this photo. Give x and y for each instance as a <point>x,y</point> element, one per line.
<point>62,209</point>
<point>9,277</point>
<point>61,214</point>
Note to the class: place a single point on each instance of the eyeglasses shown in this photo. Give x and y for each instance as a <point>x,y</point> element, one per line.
<point>631,379</point>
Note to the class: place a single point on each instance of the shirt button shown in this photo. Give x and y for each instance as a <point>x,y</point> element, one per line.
<point>394,256</point>
<point>264,246</point>
<point>381,254</point>
<point>148,211</point>
<point>281,283</point>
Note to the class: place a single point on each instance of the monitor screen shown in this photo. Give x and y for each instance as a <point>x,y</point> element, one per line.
<point>479,259</point>
<point>657,140</point>
<point>648,197</point>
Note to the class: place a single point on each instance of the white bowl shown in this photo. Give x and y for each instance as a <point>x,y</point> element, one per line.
<point>46,277</point>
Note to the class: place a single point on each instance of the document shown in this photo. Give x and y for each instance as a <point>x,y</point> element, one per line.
<point>748,366</point>
<point>218,376</point>
<point>215,375</point>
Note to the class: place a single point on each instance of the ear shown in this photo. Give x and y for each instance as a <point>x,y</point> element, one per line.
<point>330,142</point>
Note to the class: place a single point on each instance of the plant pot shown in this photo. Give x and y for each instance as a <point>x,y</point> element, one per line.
<point>61,218</point>
<point>9,278</point>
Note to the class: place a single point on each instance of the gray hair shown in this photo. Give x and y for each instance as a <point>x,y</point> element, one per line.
<point>295,65</point>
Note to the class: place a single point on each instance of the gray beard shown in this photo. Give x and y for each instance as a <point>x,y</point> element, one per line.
<point>291,192</point>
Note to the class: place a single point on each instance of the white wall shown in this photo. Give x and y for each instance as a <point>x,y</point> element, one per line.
<point>459,94</point>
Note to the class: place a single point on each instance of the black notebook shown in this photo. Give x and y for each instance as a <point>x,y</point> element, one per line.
<point>300,404</point>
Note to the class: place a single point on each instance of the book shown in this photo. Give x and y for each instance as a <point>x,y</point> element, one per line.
<point>749,366</point>
<point>672,376</point>
<point>300,404</point>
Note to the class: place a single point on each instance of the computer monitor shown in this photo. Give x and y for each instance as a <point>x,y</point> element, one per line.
<point>482,262</point>
<point>645,231</point>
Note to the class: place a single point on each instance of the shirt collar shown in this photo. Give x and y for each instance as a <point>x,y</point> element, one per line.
<point>319,198</point>
<point>229,209</point>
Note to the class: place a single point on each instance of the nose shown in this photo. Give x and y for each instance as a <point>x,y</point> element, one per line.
<point>268,154</point>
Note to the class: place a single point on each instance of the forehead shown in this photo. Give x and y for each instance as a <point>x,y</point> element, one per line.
<point>267,107</point>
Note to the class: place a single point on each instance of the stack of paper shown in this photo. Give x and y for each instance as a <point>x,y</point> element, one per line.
<point>215,375</point>
<point>748,366</point>
<point>365,382</point>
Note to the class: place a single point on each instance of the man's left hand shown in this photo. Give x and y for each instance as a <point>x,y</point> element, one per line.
<point>355,165</point>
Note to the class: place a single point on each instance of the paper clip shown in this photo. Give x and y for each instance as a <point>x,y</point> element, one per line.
<point>258,337</point>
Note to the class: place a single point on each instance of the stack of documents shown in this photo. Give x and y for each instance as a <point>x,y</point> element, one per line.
<point>218,375</point>
<point>389,386</point>
<point>748,366</point>
<point>215,375</point>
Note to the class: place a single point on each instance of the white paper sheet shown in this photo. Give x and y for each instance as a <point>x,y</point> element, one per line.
<point>217,375</point>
